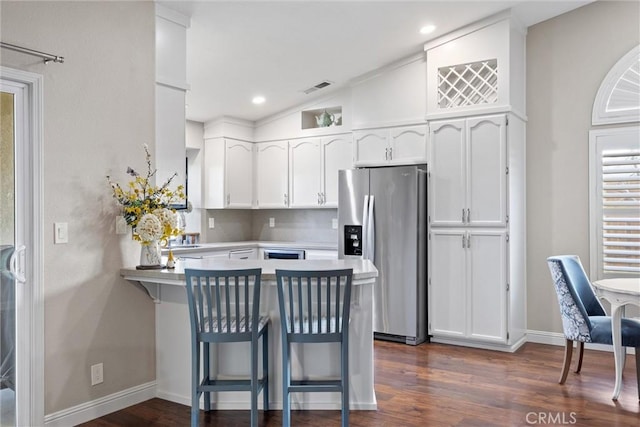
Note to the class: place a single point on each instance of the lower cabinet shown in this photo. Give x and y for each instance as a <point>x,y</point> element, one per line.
<point>468,285</point>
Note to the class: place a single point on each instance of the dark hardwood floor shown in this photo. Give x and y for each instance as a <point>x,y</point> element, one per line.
<point>441,385</point>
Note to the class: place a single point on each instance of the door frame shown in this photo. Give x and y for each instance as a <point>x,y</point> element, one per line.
<point>30,298</point>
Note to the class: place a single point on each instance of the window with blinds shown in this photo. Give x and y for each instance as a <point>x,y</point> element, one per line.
<point>620,207</point>
<point>614,180</point>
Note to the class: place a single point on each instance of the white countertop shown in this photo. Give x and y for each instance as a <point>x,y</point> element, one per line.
<point>362,269</point>
<point>202,247</point>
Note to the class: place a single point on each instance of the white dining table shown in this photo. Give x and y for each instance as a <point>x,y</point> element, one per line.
<point>619,292</point>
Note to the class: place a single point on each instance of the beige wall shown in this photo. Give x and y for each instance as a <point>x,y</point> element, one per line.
<point>567,59</point>
<point>98,111</point>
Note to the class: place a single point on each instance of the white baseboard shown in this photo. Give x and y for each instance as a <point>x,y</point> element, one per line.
<point>555,338</point>
<point>100,407</point>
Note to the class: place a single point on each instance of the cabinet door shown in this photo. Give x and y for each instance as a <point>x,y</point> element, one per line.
<point>409,145</point>
<point>238,174</point>
<point>447,284</point>
<point>214,177</point>
<point>487,261</point>
<point>487,171</point>
<point>371,147</point>
<point>447,172</point>
<point>337,154</point>
<point>272,168</point>
<point>304,173</point>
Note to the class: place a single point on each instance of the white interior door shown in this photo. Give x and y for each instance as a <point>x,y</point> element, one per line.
<point>21,310</point>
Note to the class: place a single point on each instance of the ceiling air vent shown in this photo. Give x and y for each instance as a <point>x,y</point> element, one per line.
<point>320,85</point>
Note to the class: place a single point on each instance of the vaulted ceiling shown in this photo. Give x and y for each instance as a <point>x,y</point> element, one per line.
<point>237,50</point>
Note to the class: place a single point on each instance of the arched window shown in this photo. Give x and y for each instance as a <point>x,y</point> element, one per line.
<point>618,99</point>
<point>614,172</point>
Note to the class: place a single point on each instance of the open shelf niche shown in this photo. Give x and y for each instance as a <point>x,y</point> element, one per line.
<point>310,121</point>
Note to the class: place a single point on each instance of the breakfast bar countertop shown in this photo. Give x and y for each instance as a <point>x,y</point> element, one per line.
<point>362,269</point>
<point>167,289</point>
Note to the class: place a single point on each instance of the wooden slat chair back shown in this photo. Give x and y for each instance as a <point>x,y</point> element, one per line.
<point>224,306</point>
<point>314,307</point>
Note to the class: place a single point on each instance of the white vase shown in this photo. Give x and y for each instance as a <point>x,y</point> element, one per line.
<point>150,253</point>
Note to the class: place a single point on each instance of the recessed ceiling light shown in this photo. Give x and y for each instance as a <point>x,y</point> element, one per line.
<point>427,29</point>
<point>258,100</point>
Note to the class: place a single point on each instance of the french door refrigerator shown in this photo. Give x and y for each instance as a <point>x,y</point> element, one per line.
<point>382,216</point>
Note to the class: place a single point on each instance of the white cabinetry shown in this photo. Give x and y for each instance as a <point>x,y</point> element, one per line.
<point>468,284</point>
<point>272,166</point>
<point>313,170</point>
<point>250,253</point>
<point>228,170</point>
<point>391,146</point>
<point>480,67</point>
<point>469,171</point>
<point>170,90</point>
<point>304,173</point>
<point>476,237</point>
<point>337,154</point>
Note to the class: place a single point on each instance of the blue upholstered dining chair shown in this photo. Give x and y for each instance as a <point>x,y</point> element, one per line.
<point>224,307</point>
<point>583,317</point>
<point>314,308</point>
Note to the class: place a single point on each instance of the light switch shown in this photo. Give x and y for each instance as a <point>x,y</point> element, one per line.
<point>272,222</point>
<point>334,223</point>
<point>60,233</point>
<point>212,223</point>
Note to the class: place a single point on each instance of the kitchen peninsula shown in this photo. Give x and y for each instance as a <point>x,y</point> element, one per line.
<point>173,350</point>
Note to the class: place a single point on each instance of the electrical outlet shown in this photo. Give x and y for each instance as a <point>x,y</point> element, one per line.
<point>334,223</point>
<point>121,225</point>
<point>97,374</point>
<point>272,222</point>
<point>212,223</point>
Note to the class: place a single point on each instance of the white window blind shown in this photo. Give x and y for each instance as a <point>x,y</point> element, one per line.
<point>615,201</point>
<point>620,200</point>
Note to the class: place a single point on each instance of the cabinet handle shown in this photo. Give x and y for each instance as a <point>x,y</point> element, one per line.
<point>319,198</point>
<point>286,202</point>
<point>463,241</point>
<point>386,154</point>
<point>468,215</point>
<point>391,153</point>
<point>228,198</point>
<point>463,221</point>
<point>324,199</point>
<point>468,241</point>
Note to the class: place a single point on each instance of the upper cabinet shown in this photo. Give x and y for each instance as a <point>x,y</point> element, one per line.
<point>313,170</point>
<point>272,177</point>
<point>469,172</point>
<point>228,173</point>
<point>337,154</point>
<point>479,69</point>
<point>394,146</point>
<point>171,86</point>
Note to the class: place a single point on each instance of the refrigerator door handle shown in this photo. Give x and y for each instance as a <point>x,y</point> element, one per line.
<point>371,240</point>
<point>365,224</point>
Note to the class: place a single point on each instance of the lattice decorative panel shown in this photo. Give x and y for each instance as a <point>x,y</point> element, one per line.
<point>468,84</point>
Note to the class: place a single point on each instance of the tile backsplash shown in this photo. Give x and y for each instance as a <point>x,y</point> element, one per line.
<point>307,225</point>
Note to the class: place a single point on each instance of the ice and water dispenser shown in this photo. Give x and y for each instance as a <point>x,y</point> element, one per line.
<point>353,240</point>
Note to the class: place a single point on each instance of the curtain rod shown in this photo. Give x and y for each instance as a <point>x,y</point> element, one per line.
<point>46,56</point>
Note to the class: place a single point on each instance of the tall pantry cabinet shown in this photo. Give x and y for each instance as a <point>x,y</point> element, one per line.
<point>475,105</point>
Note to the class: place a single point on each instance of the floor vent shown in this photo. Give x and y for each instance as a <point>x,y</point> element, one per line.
<point>320,85</point>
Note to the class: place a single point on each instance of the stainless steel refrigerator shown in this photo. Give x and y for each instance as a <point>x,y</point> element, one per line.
<point>382,216</point>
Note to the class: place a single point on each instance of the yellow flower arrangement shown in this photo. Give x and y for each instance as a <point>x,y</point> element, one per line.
<point>147,208</point>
